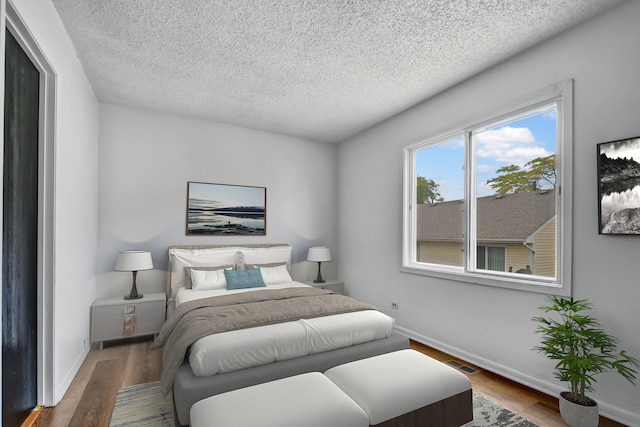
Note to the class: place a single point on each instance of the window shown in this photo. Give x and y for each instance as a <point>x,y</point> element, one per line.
<point>491,258</point>
<point>489,203</point>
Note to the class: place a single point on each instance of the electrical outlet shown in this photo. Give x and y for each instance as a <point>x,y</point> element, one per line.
<point>394,304</point>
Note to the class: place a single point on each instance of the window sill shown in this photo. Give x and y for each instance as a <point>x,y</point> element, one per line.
<point>508,282</point>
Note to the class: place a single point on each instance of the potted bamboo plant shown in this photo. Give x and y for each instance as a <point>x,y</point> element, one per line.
<point>582,349</point>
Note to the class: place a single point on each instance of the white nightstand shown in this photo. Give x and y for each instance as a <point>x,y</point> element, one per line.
<point>332,285</point>
<point>116,318</point>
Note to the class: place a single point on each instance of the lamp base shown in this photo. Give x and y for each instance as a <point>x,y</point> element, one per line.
<point>319,279</point>
<point>134,289</point>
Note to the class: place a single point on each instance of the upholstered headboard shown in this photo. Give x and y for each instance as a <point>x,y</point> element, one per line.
<point>220,255</point>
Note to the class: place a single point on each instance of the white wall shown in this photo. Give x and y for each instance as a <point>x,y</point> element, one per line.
<point>75,200</point>
<point>490,326</point>
<point>146,160</point>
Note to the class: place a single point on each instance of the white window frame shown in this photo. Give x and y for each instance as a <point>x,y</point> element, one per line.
<point>562,94</point>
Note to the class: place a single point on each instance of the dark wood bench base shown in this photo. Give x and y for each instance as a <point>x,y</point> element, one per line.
<point>450,412</point>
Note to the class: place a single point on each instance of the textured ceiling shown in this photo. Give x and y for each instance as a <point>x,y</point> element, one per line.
<point>318,69</point>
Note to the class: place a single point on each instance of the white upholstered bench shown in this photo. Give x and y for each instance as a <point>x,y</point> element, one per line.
<point>309,400</point>
<point>402,388</point>
<point>406,388</point>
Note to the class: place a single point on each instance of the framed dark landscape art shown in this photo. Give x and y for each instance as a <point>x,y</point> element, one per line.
<point>221,209</point>
<point>619,187</point>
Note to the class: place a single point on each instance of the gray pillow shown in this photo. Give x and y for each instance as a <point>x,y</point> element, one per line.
<point>271,264</point>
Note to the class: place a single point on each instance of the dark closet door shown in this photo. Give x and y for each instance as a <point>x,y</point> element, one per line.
<point>20,236</point>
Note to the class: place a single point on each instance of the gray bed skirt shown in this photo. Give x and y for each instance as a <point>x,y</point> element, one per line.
<point>188,389</point>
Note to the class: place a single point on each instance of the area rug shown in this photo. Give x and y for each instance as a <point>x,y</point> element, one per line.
<point>143,406</point>
<point>488,414</point>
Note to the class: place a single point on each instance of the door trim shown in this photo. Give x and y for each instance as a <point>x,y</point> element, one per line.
<point>46,206</point>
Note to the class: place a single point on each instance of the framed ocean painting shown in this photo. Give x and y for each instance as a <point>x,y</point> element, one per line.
<point>224,210</point>
<point>619,187</point>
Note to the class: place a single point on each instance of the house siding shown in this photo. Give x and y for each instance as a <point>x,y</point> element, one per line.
<point>518,255</point>
<point>545,248</point>
<point>445,253</point>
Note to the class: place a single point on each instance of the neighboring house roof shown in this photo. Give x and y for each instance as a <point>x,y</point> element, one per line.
<point>512,217</point>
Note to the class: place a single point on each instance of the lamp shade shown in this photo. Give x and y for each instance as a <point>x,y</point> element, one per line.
<point>319,254</point>
<point>134,261</point>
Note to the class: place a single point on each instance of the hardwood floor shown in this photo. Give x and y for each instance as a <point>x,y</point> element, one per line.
<point>531,404</point>
<point>89,401</point>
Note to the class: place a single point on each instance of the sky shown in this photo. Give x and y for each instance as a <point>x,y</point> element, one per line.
<point>501,144</point>
<point>227,195</point>
<point>629,148</point>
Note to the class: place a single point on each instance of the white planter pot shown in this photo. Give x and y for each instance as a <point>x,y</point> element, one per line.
<point>578,415</point>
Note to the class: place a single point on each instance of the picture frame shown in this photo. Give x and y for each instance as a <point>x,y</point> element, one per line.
<point>619,187</point>
<point>226,210</point>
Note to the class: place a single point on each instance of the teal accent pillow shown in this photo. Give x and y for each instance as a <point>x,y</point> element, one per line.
<point>240,279</point>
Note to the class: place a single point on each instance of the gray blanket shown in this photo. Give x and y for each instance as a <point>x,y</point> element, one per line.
<point>196,319</point>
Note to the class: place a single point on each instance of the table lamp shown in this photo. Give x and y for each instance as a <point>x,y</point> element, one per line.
<point>134,261</point>
<point>319,254</point>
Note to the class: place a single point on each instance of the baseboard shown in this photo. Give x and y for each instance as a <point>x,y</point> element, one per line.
<point>606,410</point>
<point>62,387</point>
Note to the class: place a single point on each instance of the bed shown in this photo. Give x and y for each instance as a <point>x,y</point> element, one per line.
<point>237,318</point>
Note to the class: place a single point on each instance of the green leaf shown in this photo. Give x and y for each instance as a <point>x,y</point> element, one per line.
<point>580,345</point>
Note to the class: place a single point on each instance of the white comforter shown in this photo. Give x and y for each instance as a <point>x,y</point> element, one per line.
<point>231,351</point>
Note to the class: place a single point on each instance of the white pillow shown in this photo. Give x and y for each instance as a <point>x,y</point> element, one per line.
<point>275,275</point>
<point>210,257</point>
<point>181,258</point>
<point>204,280</point>
<point>267,255</point>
